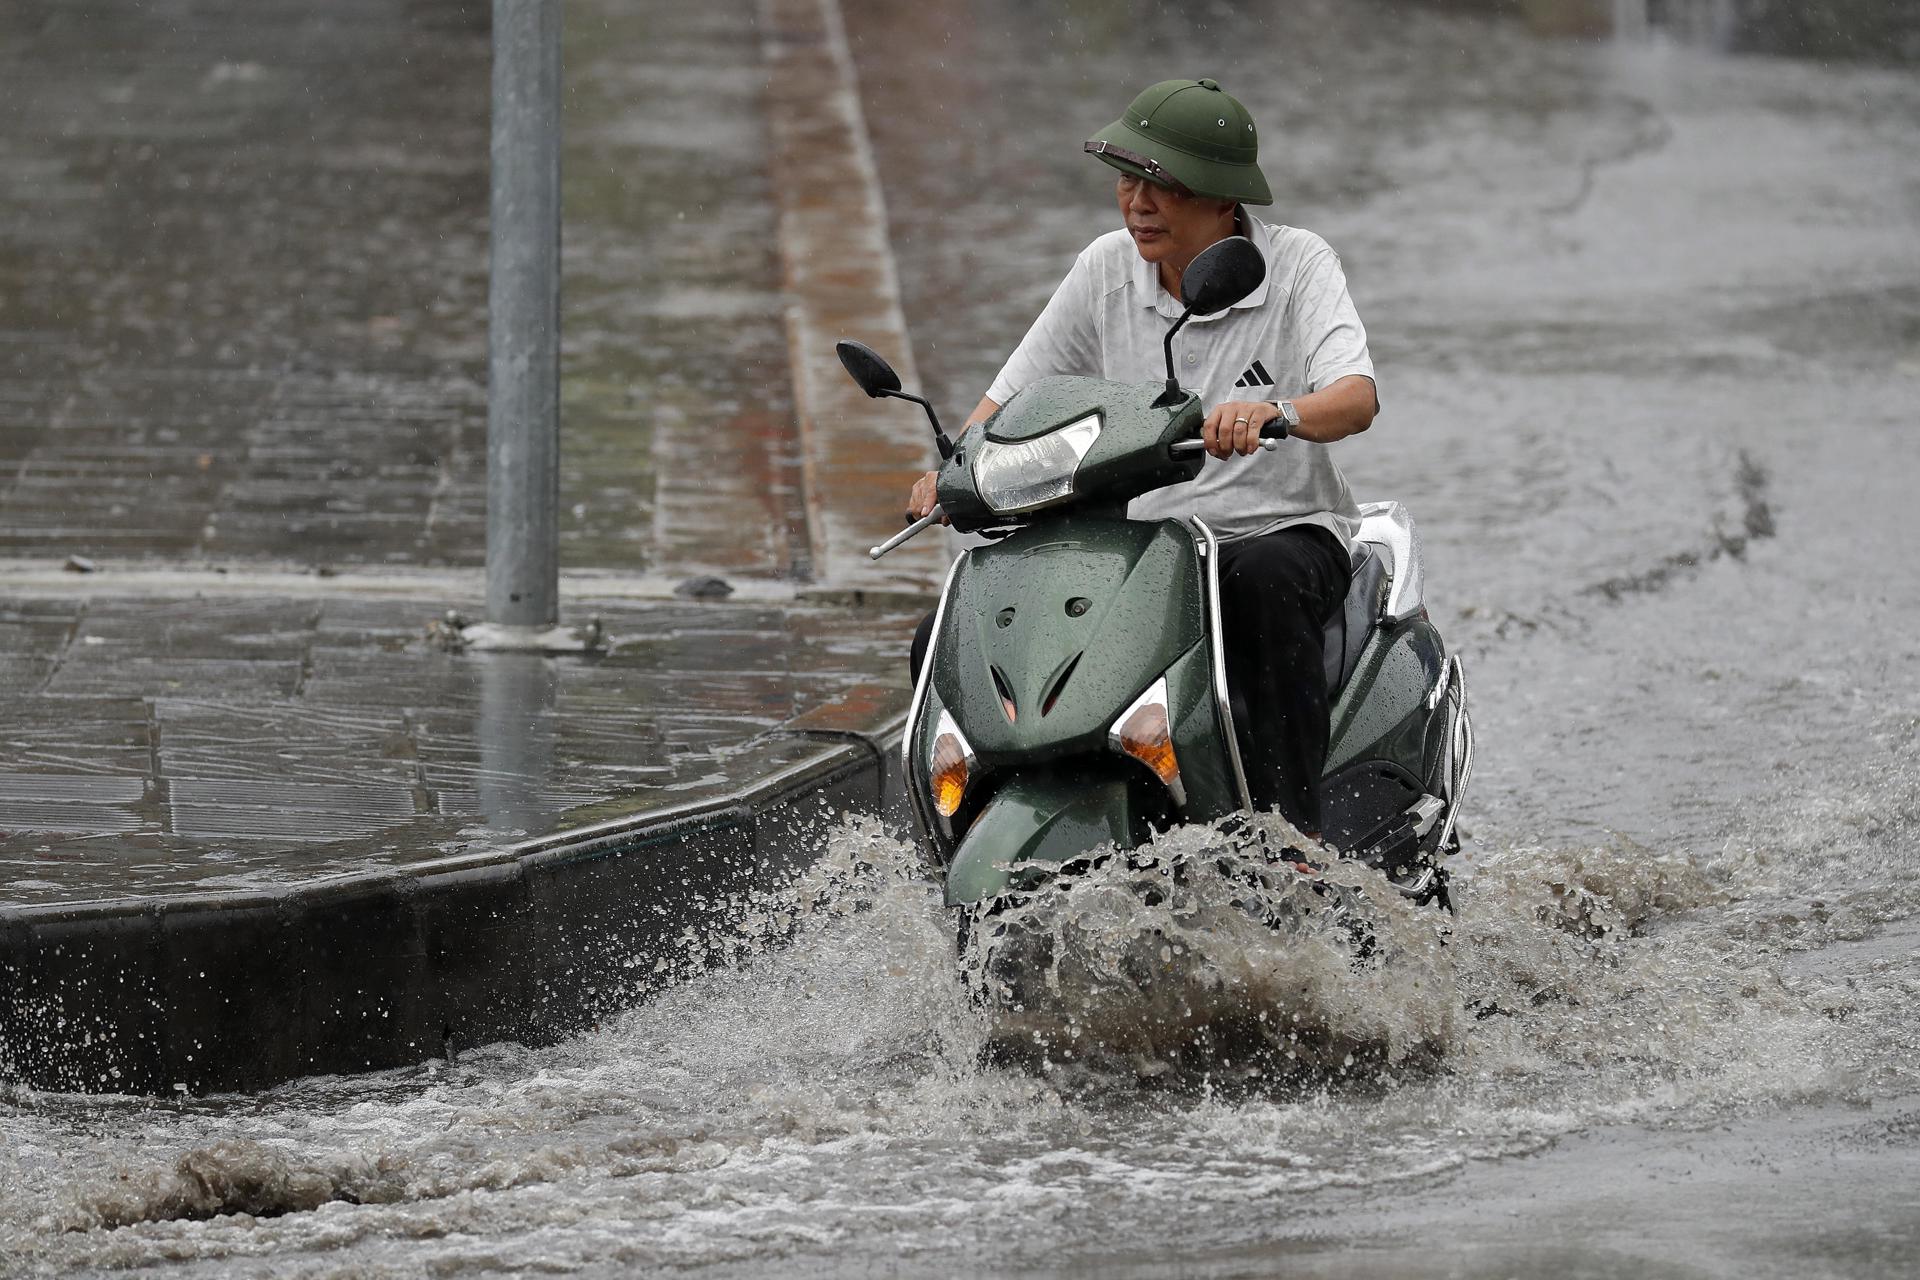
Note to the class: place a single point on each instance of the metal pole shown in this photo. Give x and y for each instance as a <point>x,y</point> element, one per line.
<point>523,309</point>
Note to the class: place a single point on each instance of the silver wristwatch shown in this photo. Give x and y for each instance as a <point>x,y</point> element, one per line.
<point>1288,414</point>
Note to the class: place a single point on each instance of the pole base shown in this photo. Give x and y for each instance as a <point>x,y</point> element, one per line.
<point>456,635</point>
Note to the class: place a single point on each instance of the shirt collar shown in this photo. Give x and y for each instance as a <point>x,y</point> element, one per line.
<point>1146,276</point>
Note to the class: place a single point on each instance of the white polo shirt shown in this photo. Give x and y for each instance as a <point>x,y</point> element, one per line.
<point>1298,332</point>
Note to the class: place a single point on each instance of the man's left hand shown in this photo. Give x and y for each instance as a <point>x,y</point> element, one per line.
<point>1234,427</point>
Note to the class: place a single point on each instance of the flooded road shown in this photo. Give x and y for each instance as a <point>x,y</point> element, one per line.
<point>1648,325</point>
<point>1614,1050</point>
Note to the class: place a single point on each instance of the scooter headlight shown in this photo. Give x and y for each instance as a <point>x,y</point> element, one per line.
<point>1026,475</point>
<point>949,766</point>
<point>1145,732</point>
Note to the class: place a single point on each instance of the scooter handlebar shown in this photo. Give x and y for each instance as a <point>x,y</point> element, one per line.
<point>924,522</point>
<point>1181,448</point>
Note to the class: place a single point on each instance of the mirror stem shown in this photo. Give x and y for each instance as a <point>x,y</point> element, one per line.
<point>939,437</point>
<point>1172,395</point>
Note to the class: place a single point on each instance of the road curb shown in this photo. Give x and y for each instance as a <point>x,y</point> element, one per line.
<point>859,456</point>
<point>228,992</point>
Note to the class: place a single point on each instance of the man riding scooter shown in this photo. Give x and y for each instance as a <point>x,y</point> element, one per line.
<point>1292,352</point>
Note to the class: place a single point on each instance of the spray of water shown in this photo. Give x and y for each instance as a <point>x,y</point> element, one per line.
<point>1210,957</point>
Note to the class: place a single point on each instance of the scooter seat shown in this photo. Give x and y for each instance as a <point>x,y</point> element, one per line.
<point>1352,623</point>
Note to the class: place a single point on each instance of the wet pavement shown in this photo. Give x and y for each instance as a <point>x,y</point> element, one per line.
<point>243,254</point>
<point>242,269</point>
<point>157,748</point>
<point>245,315</point>
<point>1647,317</point>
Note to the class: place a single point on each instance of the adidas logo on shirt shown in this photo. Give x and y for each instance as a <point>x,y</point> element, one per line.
<point>1256,376</point>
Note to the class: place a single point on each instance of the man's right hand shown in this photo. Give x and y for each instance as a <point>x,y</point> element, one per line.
<point>925,496</point>
<point>923,499</point>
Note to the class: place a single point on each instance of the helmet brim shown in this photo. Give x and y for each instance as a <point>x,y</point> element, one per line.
<point>1202,176</point>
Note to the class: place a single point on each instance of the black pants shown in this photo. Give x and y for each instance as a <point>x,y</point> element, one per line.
<point>1277,592</point>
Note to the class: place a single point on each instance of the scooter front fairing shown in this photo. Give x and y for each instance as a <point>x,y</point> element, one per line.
<point>1045,641</point>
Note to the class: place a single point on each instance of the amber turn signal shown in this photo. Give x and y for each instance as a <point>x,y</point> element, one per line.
<point>949,767</point>
<point>1145,732</point>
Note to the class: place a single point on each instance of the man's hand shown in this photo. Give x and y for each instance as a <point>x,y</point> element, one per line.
<point>1234,427</point>
<point>923,499</point>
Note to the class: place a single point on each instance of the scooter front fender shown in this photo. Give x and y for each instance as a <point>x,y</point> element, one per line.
<point>1049,819</point>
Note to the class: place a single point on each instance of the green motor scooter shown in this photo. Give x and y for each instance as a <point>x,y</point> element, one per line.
<point>1075,693</point>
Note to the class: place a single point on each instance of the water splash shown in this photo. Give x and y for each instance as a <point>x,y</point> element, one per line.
<point>1203,958</point>
<point>840,1079</point>
<point>234,1177</point>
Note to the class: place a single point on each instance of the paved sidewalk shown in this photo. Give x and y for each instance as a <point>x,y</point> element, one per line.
<point>155,748</point>
<point>243,253</point>
<point>242,358</point>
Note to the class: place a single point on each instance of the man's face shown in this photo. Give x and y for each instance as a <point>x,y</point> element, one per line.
<point>1170,226</point>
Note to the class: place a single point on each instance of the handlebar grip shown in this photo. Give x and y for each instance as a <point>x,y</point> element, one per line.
<point>1181,448</point>
<point>1276,429</point>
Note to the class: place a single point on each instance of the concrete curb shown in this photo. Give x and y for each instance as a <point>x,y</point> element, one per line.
<point>859,456</point>
<point>231,992</point>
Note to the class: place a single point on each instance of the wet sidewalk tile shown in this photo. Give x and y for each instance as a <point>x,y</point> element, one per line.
<point>340,738</point>
<point>243,254</point>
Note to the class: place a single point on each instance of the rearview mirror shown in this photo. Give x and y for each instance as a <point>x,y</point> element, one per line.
<point>867,367</point>
<point>1220,275</point>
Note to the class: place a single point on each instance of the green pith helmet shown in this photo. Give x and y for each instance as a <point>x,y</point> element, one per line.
<point>1190,134</point>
